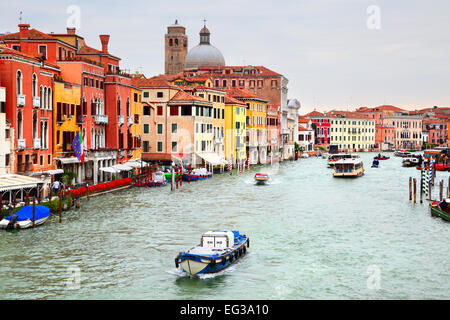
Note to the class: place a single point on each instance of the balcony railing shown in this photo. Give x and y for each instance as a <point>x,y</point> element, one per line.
<point>20,99</point>
<point>101,119</point>
<point>21,144</point>
<point>129,121</point>
<point>36,143</point>
<point>120,120</point>
<point>36,102</point>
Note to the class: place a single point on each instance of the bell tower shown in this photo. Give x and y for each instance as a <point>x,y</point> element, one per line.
<point>176,46</point>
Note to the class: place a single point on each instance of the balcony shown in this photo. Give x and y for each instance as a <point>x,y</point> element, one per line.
<point>129,121</point>
<point>121,120</point>
<point>21,144</point>
<point>101,119</point>
<point>20,100</point>
<point>80,119</point>
<point>36,143</point>
<point>36,102</point>
<point>24,167</point>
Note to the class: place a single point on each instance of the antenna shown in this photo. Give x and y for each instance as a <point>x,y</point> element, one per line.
<point>204,22</point>
<point>20,17</point>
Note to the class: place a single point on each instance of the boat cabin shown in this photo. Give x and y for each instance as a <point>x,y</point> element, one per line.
<point>217,239</point>
<point>352,167</point>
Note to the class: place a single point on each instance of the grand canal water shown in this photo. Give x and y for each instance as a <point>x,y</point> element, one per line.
<point>312,237</point>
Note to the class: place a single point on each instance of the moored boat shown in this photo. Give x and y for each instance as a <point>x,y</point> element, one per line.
<point>261,178</point>
<point>349,168</point>
<point>197,174</point>
<point>23,218</point>
<point>441,209</point>
<point>217,250</point>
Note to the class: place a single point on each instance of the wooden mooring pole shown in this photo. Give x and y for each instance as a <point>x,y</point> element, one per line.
<point>415,190</point>
<point>34,212</point>
<point>410,188</point>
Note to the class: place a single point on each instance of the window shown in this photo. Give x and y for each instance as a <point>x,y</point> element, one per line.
<point>160,94</point>
<point>43,51</point>
<point>16,47</point>
<point>145,146</point>
<point>174,146</point>
<point>174,128</point>
<point>233,83</point>
<point>160,111</point>
<point>34,85</point>
<point>160,146</point>
<point>146,128</point>
<point>216,83</point>
<point>146,110</point>
<point>146,94</point>
<point>19,82</point>
<point>160,128</point>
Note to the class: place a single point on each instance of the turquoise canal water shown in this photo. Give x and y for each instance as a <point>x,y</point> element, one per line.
<point>312,237</point>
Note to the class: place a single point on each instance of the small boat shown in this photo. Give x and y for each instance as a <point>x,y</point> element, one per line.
<point>197,174</point>
<point>440,209</point>
<point>159,179</point>
<point>375,163</point>
<point>304,155</point>
<point>381,157</point>
<point>402,153</point>
<point>325,155</point>
<point>23,218</point>
<point>217,250</point>
<point>349,168</point>
<point>261,178</point>
<point>410,162</point>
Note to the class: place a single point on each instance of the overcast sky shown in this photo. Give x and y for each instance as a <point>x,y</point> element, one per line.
<point>335,53</point>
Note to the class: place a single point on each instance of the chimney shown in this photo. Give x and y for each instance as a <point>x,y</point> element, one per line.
<point>23,30</point>
<point>71,30</point>
<point>104,39</point>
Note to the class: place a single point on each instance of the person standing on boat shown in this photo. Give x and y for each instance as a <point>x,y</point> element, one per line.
<point>55,187</point>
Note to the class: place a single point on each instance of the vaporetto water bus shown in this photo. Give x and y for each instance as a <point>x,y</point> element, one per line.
<point>349,168</point>
<point>217,250</point>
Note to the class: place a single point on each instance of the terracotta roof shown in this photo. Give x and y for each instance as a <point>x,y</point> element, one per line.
<point>314,114</point>
<point>302,128</point>
<point>88,50</point>
<point>4,49</point>
<point>32,34</point>
<point>184,96</point>
<point>231,100</point>
<point>388,108</point>
<point>154,82</point>
<point>239,93</point>
<point>263,71</point>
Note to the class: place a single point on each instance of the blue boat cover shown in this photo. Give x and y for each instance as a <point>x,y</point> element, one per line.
<point>27,213</point>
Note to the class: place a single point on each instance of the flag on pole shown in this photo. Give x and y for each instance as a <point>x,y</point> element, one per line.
<point>77,146</point>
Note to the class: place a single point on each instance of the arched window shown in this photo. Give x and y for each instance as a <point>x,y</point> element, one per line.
<point>170,42</point>
<point>128,106</point>
<point>41,96</point>
<point>35,124</point>
<point>176,42</point>
<point>34,85</point>
<point>45,99</point>
<point>19,126</point>
<point>49,98</point>
<point>118,105</point>
<point>19,82</point>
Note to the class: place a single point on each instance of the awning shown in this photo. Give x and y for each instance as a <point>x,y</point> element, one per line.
<point>109,169</point>
<point>122,167</point>
<point>16,181</point>
<point>68,160</point>
<point>212,158</point>
<point>136,163</point>
<point>49,172</point>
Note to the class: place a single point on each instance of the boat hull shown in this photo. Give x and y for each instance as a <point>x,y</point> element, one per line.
<point>22,224</point>
<point>435,211</point>
<point>198,264</point>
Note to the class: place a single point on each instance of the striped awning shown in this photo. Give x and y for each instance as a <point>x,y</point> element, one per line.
<point>16,181</point>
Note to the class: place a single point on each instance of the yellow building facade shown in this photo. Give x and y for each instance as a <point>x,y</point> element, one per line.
<point>66,117</point>
<point>136,122</point>
<point>235,130</point>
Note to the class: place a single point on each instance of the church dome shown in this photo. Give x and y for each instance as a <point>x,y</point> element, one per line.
<point>204,54</point>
